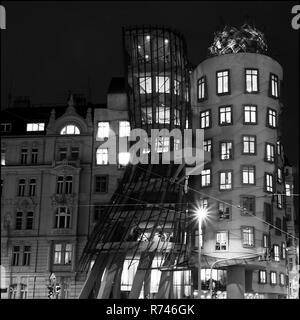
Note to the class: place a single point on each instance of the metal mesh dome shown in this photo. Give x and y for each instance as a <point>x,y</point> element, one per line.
<point>234,40</point>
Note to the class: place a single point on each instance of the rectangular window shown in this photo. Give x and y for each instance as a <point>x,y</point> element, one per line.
<point>68,184</point>
<point>273,276</point>
<point>279,200</point>
<point>32,187</point>
<point>203,203</point>
<point>124,128</point>
<point>3,160</point>
<point>248,174</point>
<point>276,252</point>
<point>251,80</point>
<point>62,218</point>
<point>68,253</point>
<point>269,152</point>
<point>274,85</point>
<point>224,210</point>
<point>262,277</point>
<point>63,253</point>
<point>23,291</point>
<point>29,220</point>
<point>162,114</point>
<point>162,144</point>
<point>221,241</point>
<point>101,184</point>
<point>202,91</point>
<point>225,116</point>
<point>98,212</point>
<point>146,114</point>
<point>248,236</point>
<point>145,85</point>
<point>207,145</point>
<point>266,241</point>
<point>21,188</point>
<point>74,153</point>
<point>268,212</point>
<point>24,155</point>
<point>223,86</point>
<point>226,152</point>
<point>281,279</point>
<point>279,175</point>
<point>205,119</point>
<point>268,182</point>
<point>38,126</point>
<point>278,144</point>
<point>103,129</point>
<point>16,255</point>
<point>162,84</point>
<point>272,118</point>
<point>26,256</point>
<point>250,114</point>
<point>278,226</point>
<point>225,178</point>
<point>283,251</point>
<point>57,253</point>
<point>249,144</point>
<point>177,117</point>
<point>19,220</point>
<point>102,156</point>
<point>60,185</point>
<point>62,153</point>
<point>34,155</point>
<point>206,178</point>
<point>248,205</point>
<point>287,190</point>
<point>6,127</point>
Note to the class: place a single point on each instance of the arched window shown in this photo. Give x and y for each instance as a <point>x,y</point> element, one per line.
<point>70,129</point>
<point>62,218</point>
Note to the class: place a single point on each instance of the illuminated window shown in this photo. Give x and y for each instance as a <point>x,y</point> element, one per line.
<point>3,160</point>
<point>176,87</point>
<point>221,241</point>
<point>226,151</point>
<point>250,114</point>
<point>206,178</point>
<point>124,128</point>
<point>128,273</point>
<point>57,253</point>
<point>272,118</point>
<point>163,114</point>
<point>23,291</point>
<point>19,220</point>
<point>248,205</point>
<point>223,82</point>
<point>124,158</point>
<point>62,253</point>
<point>207,145</point>
<point>276,252</point>
<point>266,241</point>
<point>269,152</point>
<point>281,279</point>
<point>62,218</point>
<point>283,251</point>
<point>145,85</point>
<point>68,253</point>
<point>262,277</point>
<point>176,117</point>
<point>248,174</point>
<point>279,200</point>
<point>205,119</point>
<point>251,80</point>
<point>70,129</point>
<point>274,85</point>
<point>102,156</point>
<point>203,203</point>
<point>202,89</point>
<point>224,210</point>
<point>268,182</point>
<point>26,255</point>
<point>21,188</point>
<point>34,155</point>
<point>248,236</point>
<point>279,147</point>
<point>103,129</point>
<point>32,187</point>
<point>162,144</point>
<point>35,126</point>
<point>287,190</point>
<point>24,155</point>
<point>225,180</point>
<point>225,116</point>
<point>279,175</point>
<point>162,84</point>
<point>249,145</point>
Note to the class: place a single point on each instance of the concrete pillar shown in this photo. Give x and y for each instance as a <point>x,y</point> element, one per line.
<point>235,282</point>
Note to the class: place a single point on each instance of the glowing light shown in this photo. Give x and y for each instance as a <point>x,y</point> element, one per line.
<point>124,158</point>
<point>166,41</point>
<point>148,38</point>
<point>146,56</point>
<point>201,213</point>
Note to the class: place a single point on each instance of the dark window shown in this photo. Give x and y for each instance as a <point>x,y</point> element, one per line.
<point>29,220</point>
<point>74,153</point>
<point>21,189</point>
<point>250,115</point>
<point>278,226</point>
<point>24,155</point>
<point>224,210</point>
<point>6,127</point>
<point>68,184</point>
<point>205,119</point>
<point>101,184</point>
<point>202,88</point>
<point>207,145</point>
<point>251,80</point>
<point>16,255</point>
<point>98,212</point>
<point>60,185</point>
<point>225,115</point>
<point>62,218</point>
<point>19,220</point>
<point>26,256</point>
<point>226,150</point>
<point>248,205</point>
<point>63,153</point>
<point>274,86</point>
<point>268,212</point>
<point>34,155</point>
<point>32,187</point>
<point>223,82</point>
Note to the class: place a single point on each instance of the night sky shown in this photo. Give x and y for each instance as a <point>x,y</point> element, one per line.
<point>50,48</point>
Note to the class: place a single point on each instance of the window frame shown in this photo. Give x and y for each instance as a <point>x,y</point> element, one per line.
<point>271,86</point>
<point>272,146</point>
<point>231,116</point>
<point>65,127</point>
<point>106,183</point>
<point>266,174</point>
<point>227,240</point>
<point>204,83</point>
<point>243,213</point>
<point>260,277</point>
<point>276,257</point>
<point>268,118</point>
<point>103,155</point>
<point>229,86</point>
<point>66,216</point>
<point>249,144</point>
<point>248,171</point>
<point>257,78</point>
<point>210,178</point>
<point>105,135</point>
<point>244,114</point>
<point>209,119</point>
<point>248,245</point>
<point>226,172</point>
<point>231,156</point>
<point>227,204</point>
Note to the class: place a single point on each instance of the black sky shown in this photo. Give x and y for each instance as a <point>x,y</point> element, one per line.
<point>50,48</point>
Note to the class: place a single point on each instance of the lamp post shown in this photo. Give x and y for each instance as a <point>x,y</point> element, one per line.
<point>201,213</point>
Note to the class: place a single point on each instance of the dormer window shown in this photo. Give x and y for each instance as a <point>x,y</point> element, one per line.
<point>37,126</point>
<point>70,129</point>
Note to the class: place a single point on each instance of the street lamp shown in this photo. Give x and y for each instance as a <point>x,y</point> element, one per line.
<point>201,214</point>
